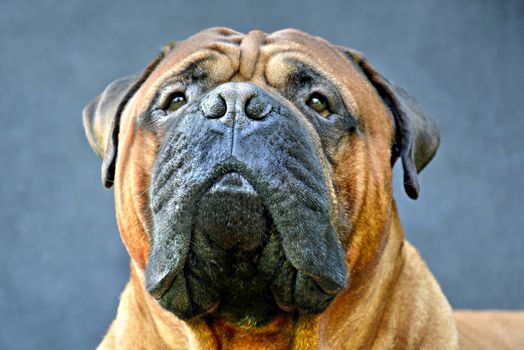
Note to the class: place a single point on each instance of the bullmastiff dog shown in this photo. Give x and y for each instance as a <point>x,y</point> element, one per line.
<point>252,180</point>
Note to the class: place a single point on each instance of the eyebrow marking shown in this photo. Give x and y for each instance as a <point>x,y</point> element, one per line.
<point>307,73</point>
<point>303,72</point>
<point>191,70</point>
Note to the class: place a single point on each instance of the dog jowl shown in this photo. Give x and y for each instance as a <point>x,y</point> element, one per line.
<point>244,164</point>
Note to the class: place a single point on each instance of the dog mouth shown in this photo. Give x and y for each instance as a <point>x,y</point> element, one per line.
<point>236,266</point>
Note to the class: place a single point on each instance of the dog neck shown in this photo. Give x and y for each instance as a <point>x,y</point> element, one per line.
<point>139,314</point>
<point>388,304</point>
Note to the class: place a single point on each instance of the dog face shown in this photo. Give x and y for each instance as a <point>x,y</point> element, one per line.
<point>253,172</point>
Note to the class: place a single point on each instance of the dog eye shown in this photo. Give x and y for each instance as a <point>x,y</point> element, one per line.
<point>175,101</point>
<point>320,104</point>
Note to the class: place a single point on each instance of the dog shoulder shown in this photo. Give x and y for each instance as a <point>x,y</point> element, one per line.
<point>490,329</point>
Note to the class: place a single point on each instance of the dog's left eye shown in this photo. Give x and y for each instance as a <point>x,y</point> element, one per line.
<point>320,104</point>
<point>175,101</point>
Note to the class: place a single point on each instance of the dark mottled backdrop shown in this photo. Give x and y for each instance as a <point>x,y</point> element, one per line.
<point>62,265</point>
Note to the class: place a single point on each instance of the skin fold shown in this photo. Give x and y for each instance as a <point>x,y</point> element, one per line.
<point>256,217</point>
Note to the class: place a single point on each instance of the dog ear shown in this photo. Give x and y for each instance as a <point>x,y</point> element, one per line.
<point>101,117</point>
<point>417,136</point>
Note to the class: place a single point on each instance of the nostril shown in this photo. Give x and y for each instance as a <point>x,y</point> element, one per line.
<point>257,107</point>
<point>214,106</point>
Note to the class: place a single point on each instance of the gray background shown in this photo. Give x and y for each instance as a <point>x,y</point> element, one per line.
<point>62,265</point>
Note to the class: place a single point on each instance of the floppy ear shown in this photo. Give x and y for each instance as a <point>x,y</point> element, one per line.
<point>417,135</point>
<point>101,117</point>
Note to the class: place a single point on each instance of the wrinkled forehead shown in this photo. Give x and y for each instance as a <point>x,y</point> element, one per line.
<point>223,54</point>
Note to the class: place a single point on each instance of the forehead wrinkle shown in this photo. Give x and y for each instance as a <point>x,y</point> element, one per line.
<point>250,53</point>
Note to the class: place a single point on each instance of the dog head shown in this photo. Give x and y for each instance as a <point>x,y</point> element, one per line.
<point>252,172</point>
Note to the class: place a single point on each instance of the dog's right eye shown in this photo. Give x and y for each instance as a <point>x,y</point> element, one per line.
<point>319,104</point>
<point>175,101</point>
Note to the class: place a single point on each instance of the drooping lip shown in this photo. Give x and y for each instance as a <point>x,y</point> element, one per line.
<point>171,241</point>
<point>160,277</point>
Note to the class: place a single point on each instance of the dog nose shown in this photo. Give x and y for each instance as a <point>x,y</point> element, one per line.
<point>236,99</point>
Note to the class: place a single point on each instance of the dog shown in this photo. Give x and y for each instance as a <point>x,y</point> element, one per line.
<point>252,181</point>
